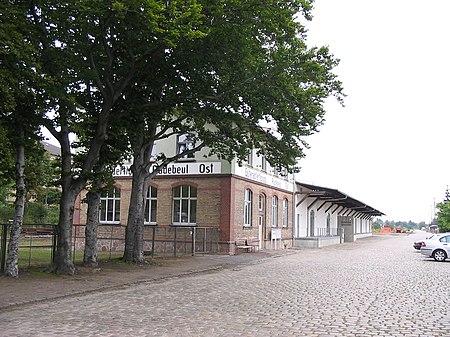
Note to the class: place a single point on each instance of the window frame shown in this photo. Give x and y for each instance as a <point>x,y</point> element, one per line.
<point>151,203</point>
<point>274,211</point>
<point>185,202</point>
<point>285,213</point>
<point>249,158</point>
<point>263,164</point>
<point>108,199</point>
<point>187,144</point>
<point>248,208</point>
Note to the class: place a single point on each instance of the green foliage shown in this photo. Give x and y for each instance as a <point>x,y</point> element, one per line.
<point>402,224</point>
<point>443,216</point>
<point>6,212</point>
<point>236,74</point>
<point>35,213</point>
<point>6,158</point>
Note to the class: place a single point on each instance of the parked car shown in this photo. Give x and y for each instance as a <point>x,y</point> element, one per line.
<point>438,247</point>
<point>418,244</point>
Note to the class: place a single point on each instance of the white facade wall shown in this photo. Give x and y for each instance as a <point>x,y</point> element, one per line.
<point>303,219</point>
<point>256,168</point>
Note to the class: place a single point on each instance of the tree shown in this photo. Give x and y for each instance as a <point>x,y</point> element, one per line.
<point>237,75</point>
<point>19,89</point>
<point>101,181</point>
<point>249,82</point>
<point>443,216</point>
<point>91,62</point>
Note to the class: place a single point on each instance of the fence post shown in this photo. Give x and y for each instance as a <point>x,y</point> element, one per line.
<point>4,235</point>
<point>153,242</point>
<point>54,244</point>
<point>175,243</point>
<point>205,241</point>
<point>193,240</point>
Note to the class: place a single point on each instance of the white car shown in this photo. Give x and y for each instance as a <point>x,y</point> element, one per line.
<point>438,247</point>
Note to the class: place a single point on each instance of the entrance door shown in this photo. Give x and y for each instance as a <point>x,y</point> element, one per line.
<point>261,220</point>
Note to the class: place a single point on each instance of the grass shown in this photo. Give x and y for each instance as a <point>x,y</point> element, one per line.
<point>38,253</point>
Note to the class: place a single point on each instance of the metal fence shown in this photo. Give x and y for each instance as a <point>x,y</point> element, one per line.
<point>162,241</point>
<point>324,232</point>
<point>37,243</point>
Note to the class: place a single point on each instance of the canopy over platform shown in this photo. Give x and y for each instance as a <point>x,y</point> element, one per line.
<point>336,197</point>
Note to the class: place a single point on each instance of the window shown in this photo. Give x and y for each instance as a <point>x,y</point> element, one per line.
<point>151,205</point>
<point>110,206</point>
<point>262,202</point>
<point>250,158</point>
<point>274,211</point>
<point>184,205</point>
<point>185,142</point>
<point>263,164</point>
<point>248,197</point>
<point>285,213</point>
<point>153,154</point>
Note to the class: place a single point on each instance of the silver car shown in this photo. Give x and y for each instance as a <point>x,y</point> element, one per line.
<point>438,247</point>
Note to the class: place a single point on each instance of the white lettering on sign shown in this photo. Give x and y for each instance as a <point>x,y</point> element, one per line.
<point>175,169</point>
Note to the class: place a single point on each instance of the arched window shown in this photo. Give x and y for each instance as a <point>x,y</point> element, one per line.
<point>262,202</point>
<point>184,205</point>
<point>110,206</point>
<point>151,205</point>
<point>274,211</point>
<point>248,198</point>
<point>285,213</point>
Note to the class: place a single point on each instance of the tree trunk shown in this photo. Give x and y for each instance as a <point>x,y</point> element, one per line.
<point>134,236</point>
<point>63,258</point>
<point>90,246</point>
<point>12,265</point>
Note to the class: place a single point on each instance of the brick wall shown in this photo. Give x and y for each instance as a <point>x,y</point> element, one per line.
<point>220,205</point>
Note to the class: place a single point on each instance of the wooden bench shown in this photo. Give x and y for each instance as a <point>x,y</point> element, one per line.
<point>242,244</point>
<point>248,245</point>
<point>253,243</point>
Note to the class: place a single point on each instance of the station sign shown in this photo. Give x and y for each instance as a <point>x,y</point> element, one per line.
<point>175,169</point>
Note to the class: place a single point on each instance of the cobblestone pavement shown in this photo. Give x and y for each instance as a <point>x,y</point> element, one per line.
<point>373,287</point>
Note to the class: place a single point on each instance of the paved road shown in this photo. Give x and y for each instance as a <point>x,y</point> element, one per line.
<point>373,287</point>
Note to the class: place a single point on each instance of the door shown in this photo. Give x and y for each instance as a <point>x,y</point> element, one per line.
<point>262,220</point>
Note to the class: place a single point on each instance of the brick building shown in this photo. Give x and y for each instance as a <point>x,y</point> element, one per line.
<point>198,202</point>
<point>204,204</point>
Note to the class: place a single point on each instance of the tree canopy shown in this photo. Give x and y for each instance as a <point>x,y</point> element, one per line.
<point>237,75</point>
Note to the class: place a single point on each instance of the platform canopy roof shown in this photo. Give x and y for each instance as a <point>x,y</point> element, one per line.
<point>338,198</point>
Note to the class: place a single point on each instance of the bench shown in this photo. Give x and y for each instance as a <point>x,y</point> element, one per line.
<point>242,244</point>
<point>248,245</point>
<point>253,243</point>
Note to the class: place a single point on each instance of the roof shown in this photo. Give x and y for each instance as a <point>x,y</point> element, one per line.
<point>339,198</point>
<point>52,149</point>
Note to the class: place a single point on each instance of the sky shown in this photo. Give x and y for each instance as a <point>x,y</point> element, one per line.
<point>389,146</point>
